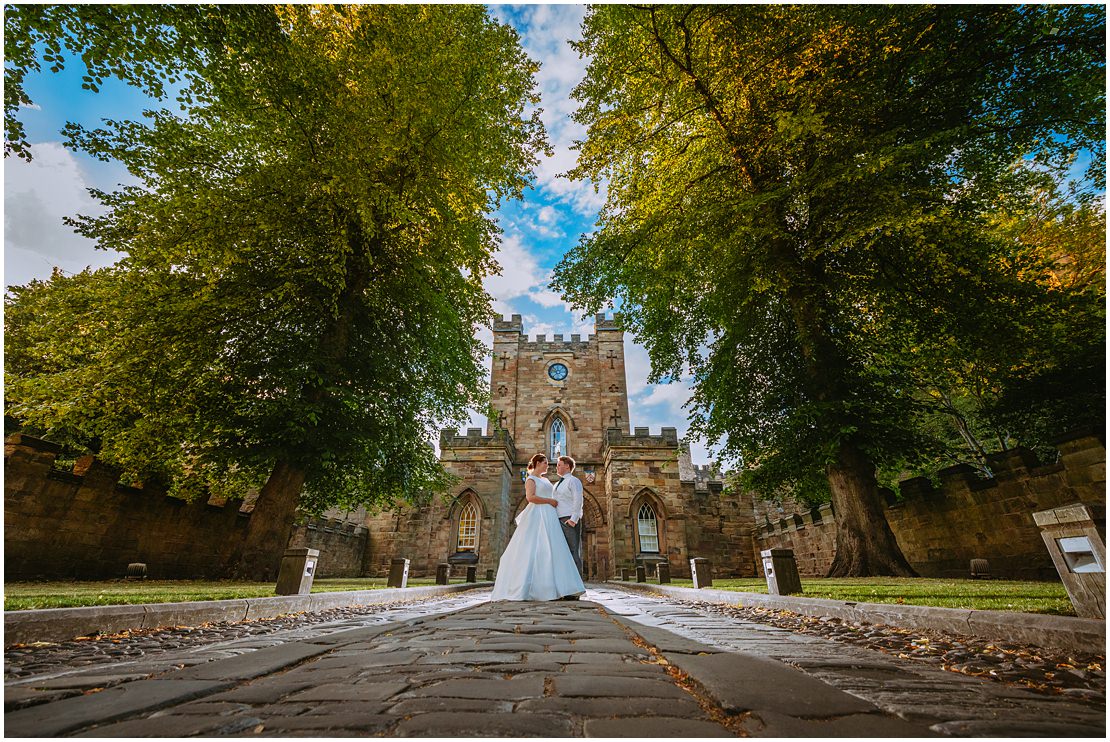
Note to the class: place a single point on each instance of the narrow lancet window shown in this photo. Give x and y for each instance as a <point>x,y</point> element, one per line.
<point>648,528</point>
<point>468,528</point>
<point>558,441</point>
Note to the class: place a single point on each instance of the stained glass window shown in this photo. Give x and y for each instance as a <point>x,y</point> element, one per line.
<point>468,528</point>
<point>648,528</point>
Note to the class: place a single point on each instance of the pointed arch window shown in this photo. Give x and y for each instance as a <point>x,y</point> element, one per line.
<point>468,528</point>
<point>558,440</point>
<point>647,526</point>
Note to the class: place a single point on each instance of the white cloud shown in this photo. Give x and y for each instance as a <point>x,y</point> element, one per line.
<point>549,29</point>
<point>637,366</point>
<point>520,273</point>
<point>533,326</point>
<point>37,195</point>
<point>670,396</point>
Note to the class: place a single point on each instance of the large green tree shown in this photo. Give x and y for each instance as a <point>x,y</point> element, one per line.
<point>797,200</point>
<point>301,264</point>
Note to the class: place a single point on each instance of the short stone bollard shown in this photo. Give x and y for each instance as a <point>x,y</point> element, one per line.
<point>980,569</point>
<point>782,572</point>
<point>489,575</point>
<point>641,573</point>
<point>443,573</point>
<point>471,573</point>
<point>624,574</point>
<point>398,573</point>
<point>1079,552</point>
<point>701,571</point>
<point>298,568</point>
<point>663,572</point>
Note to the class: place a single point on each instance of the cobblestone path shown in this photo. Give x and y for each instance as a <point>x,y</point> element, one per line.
<point>613,665</point>
<point>947,702</point>
<point>139,653</point>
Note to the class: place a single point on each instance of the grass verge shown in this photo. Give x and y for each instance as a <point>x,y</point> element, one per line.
<point>991,595</point>
<point>19,596</point>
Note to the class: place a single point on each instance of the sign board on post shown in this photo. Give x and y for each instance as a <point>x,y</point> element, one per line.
<point>1078,551</point>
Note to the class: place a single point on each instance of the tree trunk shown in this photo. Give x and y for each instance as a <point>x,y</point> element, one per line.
<point>865,545</point>
<point>268,533</point>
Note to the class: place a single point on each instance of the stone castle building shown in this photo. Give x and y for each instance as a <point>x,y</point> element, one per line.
<point>644,500</point>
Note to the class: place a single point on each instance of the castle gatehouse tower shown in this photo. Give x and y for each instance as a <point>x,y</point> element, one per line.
<point>644,500</point>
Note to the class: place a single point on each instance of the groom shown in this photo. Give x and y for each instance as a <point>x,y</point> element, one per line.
<point>568,493</point>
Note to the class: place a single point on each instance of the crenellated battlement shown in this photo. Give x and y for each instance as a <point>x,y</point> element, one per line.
<point>557,343</point>
<point>941,527</point>
<point>601,322</point>
<point>642,437</point>
<point>513,324</point>
<point>449,438</point>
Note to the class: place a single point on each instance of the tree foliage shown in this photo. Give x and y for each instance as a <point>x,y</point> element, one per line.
<point>301,261</point>
<point>798,214</point>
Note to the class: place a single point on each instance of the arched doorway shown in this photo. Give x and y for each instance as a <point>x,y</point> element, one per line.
<point>595,539</point>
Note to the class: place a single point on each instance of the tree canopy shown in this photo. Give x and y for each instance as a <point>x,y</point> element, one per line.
<point>301,265</point>
<point>798,214</point>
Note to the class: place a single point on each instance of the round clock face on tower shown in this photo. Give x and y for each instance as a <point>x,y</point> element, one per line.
<point>557,371</point>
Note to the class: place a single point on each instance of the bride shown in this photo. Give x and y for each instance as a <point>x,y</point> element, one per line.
<point>537,564</point>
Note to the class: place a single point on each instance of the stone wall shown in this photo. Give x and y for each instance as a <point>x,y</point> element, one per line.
<point>719,528</point>
<point>85,525</point>
<point>940,529</point>
<point>427,535</point>
<point>644,468</point>
<point>341,540</point>
<point>811,534</point>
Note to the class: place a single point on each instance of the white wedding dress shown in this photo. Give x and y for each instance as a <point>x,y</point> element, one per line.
<point>537,564</point>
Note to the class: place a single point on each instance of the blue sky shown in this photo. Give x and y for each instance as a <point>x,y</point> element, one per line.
<point>537,230</point>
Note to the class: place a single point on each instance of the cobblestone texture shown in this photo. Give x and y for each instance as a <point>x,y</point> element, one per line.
<point>1074,675</point>
<point>617,664</point>
<point>916,690</point>
<point>44,659</point>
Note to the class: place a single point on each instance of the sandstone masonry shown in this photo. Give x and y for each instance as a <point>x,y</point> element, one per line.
<point>573,391</point>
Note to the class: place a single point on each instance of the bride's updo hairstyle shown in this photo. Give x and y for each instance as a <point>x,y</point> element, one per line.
<point>535,460</point>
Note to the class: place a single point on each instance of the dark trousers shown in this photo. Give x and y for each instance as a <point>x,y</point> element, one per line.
<point>574,540</point>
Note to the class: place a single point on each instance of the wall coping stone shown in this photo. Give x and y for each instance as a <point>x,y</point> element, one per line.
<point>37,444</point>
<point>1078,434</point>
<point>1058,632</point>
<point>64,476</point>
<point>63,624</point>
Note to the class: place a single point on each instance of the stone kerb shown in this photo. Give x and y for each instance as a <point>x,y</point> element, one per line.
<point>63,624</point>
<point>1056,632</point>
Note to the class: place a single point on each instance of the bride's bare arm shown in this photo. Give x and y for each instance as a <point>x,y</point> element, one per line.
<point>531,496</point>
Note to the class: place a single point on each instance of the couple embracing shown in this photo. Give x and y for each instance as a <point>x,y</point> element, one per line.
<point>541,561</point>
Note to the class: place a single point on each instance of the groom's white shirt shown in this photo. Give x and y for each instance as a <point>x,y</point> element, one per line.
<point>568,493</point>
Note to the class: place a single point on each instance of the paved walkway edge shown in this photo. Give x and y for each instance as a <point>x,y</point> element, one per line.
<point>63,624</point>
<point>1056,632</point>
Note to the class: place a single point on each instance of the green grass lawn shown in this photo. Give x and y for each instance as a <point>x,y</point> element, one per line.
<point>993,595</point>
<point>20,596</point>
